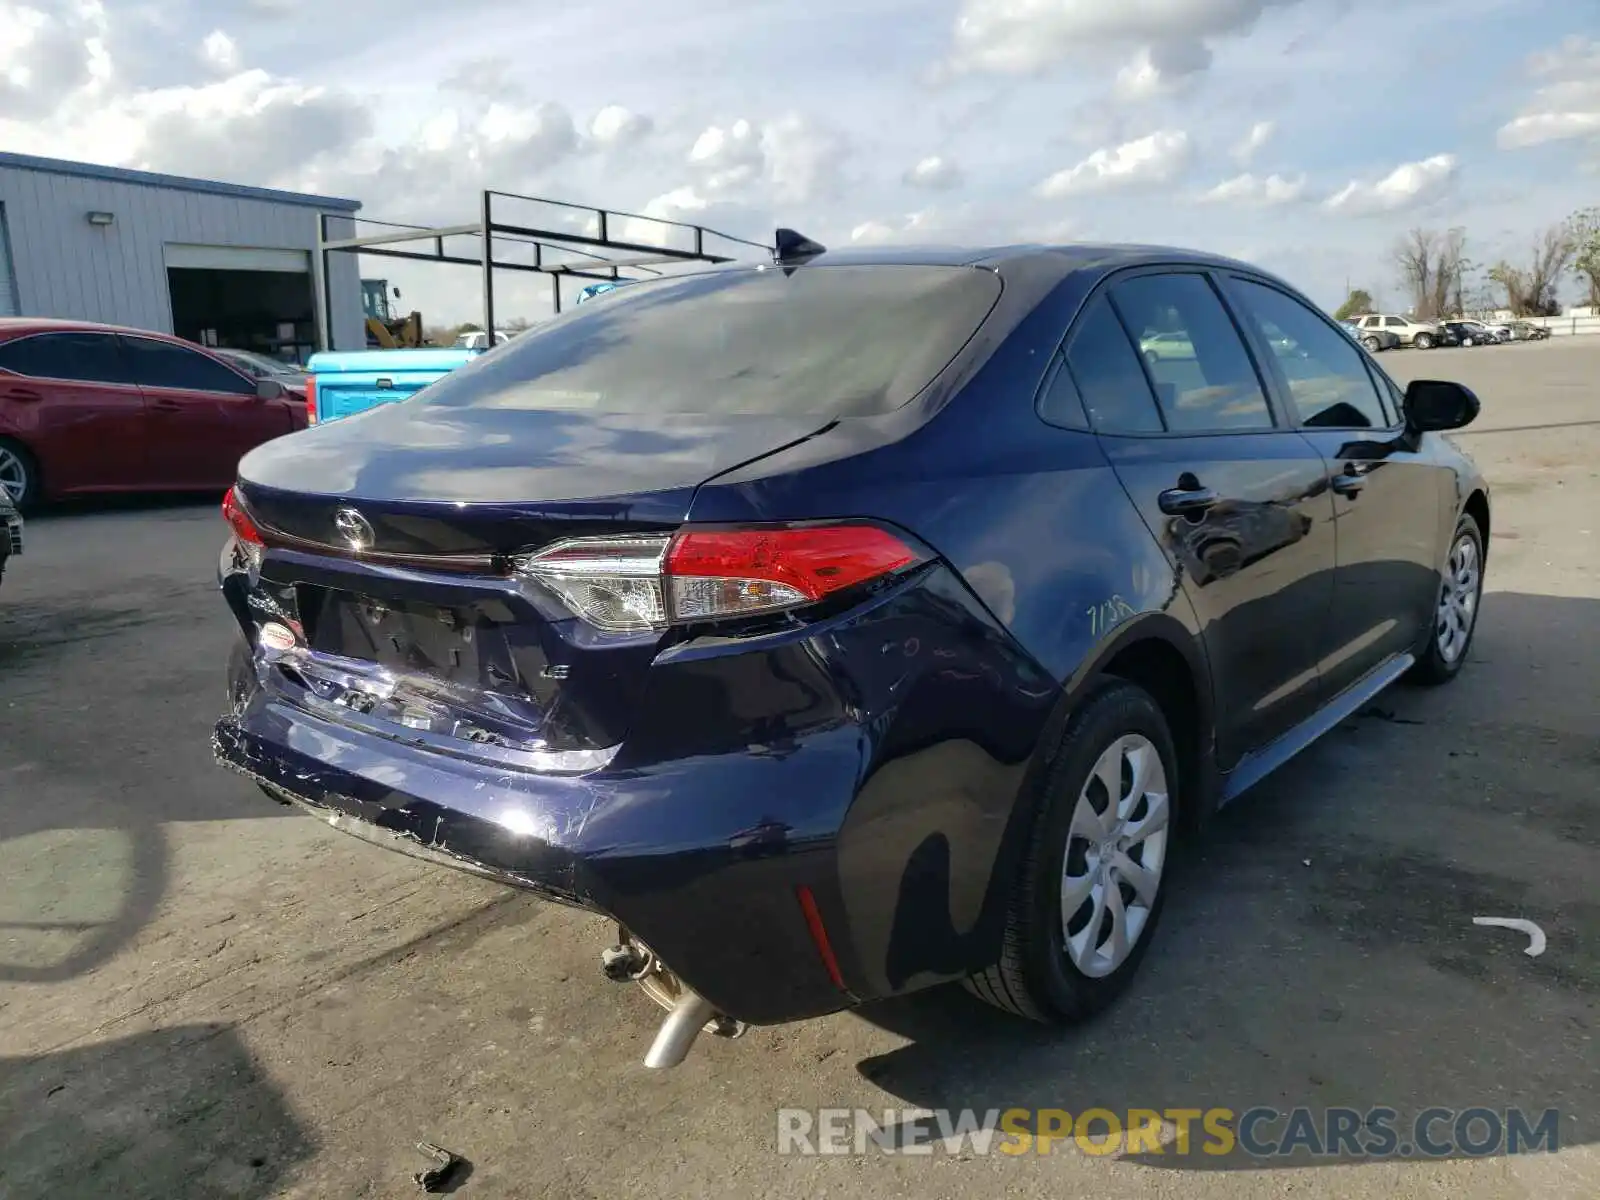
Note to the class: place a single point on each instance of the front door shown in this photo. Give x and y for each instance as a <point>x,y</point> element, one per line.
<point>68,398</point>
<point>204,416</point>
<point>1386,491</point>
<point>1238,502</point>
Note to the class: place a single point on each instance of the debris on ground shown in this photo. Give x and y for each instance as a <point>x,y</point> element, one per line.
<point>439,1176</point>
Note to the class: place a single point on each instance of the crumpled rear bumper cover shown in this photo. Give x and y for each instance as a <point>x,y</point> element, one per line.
<point>318,794</point>
<point>721,911</point>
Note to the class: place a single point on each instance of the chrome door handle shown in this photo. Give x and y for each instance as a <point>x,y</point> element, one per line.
<point>1177,502</point>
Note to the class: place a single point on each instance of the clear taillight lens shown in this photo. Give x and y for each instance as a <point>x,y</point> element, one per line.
<point>634,584</point>
<point>613,583</point>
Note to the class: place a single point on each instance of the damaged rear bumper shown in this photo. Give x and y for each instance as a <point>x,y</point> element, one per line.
<point>714,898</point>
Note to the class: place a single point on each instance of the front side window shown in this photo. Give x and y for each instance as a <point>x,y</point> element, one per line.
<point>1203,375</point>
<point>161,364</point>
<point>1326,374</point>
<point>78,357</point>
<point>816,341</point>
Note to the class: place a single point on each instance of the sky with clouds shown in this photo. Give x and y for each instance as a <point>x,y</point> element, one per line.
<point>1304,135</point>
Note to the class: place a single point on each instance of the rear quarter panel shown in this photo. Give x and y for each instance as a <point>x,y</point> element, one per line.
<point>1036,525</point>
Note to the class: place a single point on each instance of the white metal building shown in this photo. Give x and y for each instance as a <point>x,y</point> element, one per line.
<point>216,263</point>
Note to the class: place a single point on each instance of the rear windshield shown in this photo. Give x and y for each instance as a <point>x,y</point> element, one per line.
<point>830,341</point>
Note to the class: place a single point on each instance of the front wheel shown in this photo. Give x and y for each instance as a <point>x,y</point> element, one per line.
<point>1456,611</point>
<point>1423,341</point>
<point>1372,344</point>
<point>1090,892</point>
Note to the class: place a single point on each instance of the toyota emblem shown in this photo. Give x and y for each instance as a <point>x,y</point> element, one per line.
<point>355,529</point>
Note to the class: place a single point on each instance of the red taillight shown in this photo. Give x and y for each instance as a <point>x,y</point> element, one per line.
<point>634,583</point>
<point>807,562</point>
<point>311,399</point>
<point>239,521</point>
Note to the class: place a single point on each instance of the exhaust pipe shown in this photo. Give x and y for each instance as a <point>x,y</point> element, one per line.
<point>688,1012</point>
<point>676,1036</point>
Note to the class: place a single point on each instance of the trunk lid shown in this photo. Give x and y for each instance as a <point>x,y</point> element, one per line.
<point>448,482</point>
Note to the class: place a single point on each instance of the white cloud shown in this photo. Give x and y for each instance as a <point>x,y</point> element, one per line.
<point>1162,70</point>
<point>728,157</point>
<point>1566,105</point>
<point>805,160</point>
<point>1153,159</point>
<point>220,51</point>
<point>936,173</point>
<point>924,226</point>
<point>1406,186</point>
<point>1017,37</point>
<point>791,160</point>
<point>1260,134</point>
<point>45,56</point>
<point>615,125</point>
<point>1256,191</point>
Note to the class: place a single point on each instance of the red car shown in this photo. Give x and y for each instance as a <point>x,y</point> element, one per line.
<point>94,408</point>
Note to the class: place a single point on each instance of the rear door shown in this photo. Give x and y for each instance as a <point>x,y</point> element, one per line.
<point>68,397</point>
<point>1236,498</point>
<point>1386,491</point>
<point>204,416</point>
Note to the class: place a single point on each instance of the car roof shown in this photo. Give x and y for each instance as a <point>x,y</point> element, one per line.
<point>1071,256</point>
<point>15,326</point>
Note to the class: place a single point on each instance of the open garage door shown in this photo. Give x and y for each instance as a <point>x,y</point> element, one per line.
<point>244,298</point>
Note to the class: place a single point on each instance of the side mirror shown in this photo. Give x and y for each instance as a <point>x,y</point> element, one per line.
<point>270,389</point>
<point>1434,405</point>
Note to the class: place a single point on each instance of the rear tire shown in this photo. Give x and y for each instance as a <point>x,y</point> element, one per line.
<point>1455,619</point>
<point>1057,964</point>
<point>19,473</point>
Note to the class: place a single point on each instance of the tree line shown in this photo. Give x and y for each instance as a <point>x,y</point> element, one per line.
<point>1440,278</point>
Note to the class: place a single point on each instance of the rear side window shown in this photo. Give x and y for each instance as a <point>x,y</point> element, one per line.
<point>1104,366</point>
<point>816,341</point>
<point>161,364</point>
<point>1203,375</point>
<point>1327,374</point>
<point>83,357</point>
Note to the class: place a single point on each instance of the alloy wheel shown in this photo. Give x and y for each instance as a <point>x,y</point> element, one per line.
<point>13,474</point>
<point>1116,851</point>
<point>1458,598</point>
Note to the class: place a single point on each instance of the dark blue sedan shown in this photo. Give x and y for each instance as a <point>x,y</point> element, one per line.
<point>852,623</point>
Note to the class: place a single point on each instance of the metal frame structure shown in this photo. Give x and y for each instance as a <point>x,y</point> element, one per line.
<point>556,253</point>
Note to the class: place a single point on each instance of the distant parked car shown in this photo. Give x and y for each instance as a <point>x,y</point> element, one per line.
<point>10,530</point>
<point>1374,340</point>
<point>1480,333</point>
<point>96,408</point>
<point>1527,331</point>
<point>1421,334</point>
<point>1458,333</point>
<point>1164,346</point>
<point>258,366</point>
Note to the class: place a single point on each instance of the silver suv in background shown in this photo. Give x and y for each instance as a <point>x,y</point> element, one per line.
<point>1421,334</point>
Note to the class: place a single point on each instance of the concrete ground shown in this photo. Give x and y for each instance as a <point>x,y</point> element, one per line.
<point>203,996</point>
